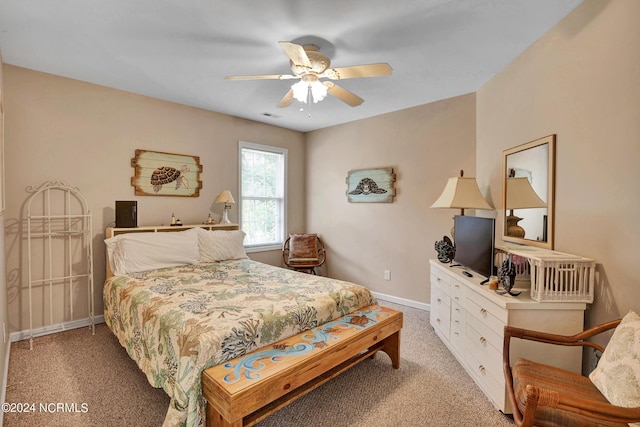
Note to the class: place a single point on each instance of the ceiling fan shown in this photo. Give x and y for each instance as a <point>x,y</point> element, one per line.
<point>309,65</point>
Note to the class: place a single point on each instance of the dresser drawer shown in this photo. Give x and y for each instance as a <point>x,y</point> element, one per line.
<point>443,275</point>
<point>494,337</point>
<point>486,312</point>
<point>440,282</point>
<point>458,327</point>
<point>440,311</point>
<point>482,345</point>
<point>494,390</point>
<point>458,292</point>
<point>439,298</point>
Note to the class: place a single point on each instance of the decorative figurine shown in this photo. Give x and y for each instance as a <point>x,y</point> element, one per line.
<point>446,250</point>
<point>507,274</point>
<point>173,219</point>
<point>209,220</point>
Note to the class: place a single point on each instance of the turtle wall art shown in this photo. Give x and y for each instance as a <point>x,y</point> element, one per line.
<point>371,185</point>
<point>166,174</point>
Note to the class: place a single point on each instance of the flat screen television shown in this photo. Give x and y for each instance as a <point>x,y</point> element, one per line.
<point>474,239</point>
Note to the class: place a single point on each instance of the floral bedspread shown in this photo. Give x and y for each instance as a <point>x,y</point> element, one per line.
<point>176,322</point>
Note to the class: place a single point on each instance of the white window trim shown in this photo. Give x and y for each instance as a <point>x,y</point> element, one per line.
<point>270,149</point>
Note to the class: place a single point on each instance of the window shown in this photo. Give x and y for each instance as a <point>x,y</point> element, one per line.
<point>262,207</point>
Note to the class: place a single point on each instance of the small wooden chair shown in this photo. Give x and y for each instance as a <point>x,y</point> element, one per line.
<point>543,395</point>
<point>304,252</point>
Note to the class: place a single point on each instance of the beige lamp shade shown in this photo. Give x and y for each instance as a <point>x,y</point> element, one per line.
<point>521,195</point>
<point>225,197</point>
<point>461,193</point>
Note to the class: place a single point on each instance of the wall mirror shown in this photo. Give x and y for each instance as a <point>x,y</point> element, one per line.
<point>528,192</point>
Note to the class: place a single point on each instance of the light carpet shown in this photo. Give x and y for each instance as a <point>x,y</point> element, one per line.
<point>102,386</point>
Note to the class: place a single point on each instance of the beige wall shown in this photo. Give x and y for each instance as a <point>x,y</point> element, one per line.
<point>86,135</point>
<point>425,145</point>
<point>580,81</point>
<point>4,347</point>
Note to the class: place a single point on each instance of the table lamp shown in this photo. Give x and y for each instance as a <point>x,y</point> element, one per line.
<point>226,198</point>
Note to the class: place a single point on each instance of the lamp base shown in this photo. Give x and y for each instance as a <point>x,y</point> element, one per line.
<point>513,229</point>
<point>225,215</point>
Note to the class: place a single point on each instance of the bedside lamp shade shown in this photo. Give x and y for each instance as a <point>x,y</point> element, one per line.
<point>226,198</point>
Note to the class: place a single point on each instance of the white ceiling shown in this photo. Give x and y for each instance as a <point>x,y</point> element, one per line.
<point>181,50</point>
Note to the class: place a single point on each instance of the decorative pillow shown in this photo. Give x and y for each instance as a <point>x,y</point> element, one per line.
<point>303,247</point>
<point>617,375</point>
<point>220,245</point>
<point>135,252</point>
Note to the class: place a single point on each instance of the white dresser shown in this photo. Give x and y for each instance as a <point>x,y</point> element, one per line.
<point>470,320</point>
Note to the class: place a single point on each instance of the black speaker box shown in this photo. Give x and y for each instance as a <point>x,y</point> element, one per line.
<point>126,214</point>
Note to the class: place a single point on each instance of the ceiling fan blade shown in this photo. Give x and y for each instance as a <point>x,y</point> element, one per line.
<point>296,53</point>
<point>286,100</point>
<point>343,95</point>
<point>263,77</point>
<point>370,70</point>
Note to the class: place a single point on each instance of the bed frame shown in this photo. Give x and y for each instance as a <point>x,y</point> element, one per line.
<point>248,389</point>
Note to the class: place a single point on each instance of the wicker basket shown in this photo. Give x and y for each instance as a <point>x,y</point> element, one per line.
<point>556,276</point>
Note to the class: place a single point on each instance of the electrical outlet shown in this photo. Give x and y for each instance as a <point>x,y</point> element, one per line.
<point>387,275</point>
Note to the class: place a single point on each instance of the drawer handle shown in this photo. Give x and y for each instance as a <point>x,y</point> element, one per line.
<point>483,340</point>
<point>481,368</point>
<point>455,333</point>
<point>439,301</point>
<point>483,311</point>
<point>456,321</point>
<point>456,298</point>
<point>457,286</point>
<point>438,320</point>
<point>457,309</point>
<point>437,279</point>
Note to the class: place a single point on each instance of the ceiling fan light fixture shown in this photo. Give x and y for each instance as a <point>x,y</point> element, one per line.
<point>302,88</point>
<point>309,65</point>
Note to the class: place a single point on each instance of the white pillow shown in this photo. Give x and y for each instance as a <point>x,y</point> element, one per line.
<point>220,245</point>
<point>617,375</point>
<point>135,252</point>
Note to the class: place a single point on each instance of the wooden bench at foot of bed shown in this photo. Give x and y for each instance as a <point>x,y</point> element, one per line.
<point>250,388</point>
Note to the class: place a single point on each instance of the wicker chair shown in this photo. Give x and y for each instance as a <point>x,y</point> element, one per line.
<point>304,252</point>
<point>543,395</point>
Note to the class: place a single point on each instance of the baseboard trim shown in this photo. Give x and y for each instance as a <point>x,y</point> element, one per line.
<point>402,301</point>
<point>58,327</point>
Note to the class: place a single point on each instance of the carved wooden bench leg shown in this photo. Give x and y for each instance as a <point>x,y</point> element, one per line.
<point>215,419</point>
<point>392,348</point>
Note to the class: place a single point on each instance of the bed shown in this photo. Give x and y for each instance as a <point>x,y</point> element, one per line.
<point>180,308</point>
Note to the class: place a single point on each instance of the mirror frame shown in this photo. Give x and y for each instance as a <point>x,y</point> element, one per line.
<point>551,141</point>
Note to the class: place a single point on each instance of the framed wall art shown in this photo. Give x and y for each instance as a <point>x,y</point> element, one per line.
<point>371,185</point>
<point>166,174</point>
